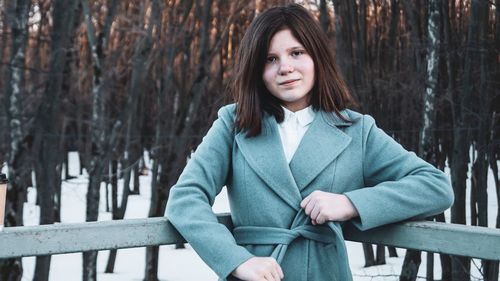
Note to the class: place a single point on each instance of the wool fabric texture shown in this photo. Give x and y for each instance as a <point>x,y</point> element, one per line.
<point>385,182</point>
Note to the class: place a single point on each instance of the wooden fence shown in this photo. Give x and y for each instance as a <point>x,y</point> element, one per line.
<point>472,241</point>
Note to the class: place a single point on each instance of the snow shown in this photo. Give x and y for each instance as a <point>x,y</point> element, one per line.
<point>182,264</point>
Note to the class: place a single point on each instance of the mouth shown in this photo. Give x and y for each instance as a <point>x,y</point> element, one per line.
<point>288,82</point>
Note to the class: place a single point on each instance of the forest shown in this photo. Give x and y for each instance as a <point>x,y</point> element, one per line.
<point>114,79</point>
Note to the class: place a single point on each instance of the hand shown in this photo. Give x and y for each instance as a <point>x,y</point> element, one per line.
<point>323,206</point>
<point>259,269</point>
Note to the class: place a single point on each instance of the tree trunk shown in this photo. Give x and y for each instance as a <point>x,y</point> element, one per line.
<point>172,159</point>
<point>411,264</point>
<point>430,267</point>
<point>344,53</point>
<point>102,142</point>
<point>107,182</point>
<point>137,171</point>
<point>480,167</point>
<point>114,208</point>
<point>460,146</point>
<point>66,166</point>
<point>369,256</point>
<point>16,19</point>
<point>324,17</point>
<point>359,44</point>
<point>392,252</point>
<point>48,127</point>
<point>445,259</point>
<point>491,269</point>
<point>413,17</point>
<point>461,265</point>
<point>427,144</point>
<point>392,55</point>
<point>141,61</point>
<point>116,212</point>
<point>380,259</point>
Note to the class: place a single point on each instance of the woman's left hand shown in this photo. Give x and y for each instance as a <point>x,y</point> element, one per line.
<point>323,206</point>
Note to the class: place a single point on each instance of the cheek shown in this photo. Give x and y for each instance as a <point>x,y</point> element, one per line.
<point>310,68</point>
<point>268,76</point>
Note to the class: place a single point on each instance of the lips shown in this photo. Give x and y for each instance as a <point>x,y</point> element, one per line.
<point>288,82</point>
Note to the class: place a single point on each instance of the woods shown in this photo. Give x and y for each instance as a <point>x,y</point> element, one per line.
<point>113,80</point>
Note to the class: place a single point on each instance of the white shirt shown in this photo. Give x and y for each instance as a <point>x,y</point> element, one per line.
<point>293,128</point>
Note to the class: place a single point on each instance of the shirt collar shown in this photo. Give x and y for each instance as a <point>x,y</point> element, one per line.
<point>304,116</point>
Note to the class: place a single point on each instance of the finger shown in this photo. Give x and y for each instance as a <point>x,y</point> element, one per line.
<point>314,222</point>
<point>306,200</point>
<point>320,219</point>
<point>280,272</point>
<point>315,212</point>
<point>309,207</point>
<point>275,274</point>
<point>269,276</point>
<point>309,198</point>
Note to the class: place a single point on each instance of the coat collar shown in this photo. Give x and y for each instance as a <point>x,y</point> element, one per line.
<point>322,143</point>
<point>304,116</point>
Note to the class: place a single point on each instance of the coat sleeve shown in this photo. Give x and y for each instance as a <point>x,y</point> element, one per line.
<point>399,185</point>
<point>190,200</point>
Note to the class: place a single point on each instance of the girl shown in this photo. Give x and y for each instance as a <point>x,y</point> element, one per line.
<point>296,163</point>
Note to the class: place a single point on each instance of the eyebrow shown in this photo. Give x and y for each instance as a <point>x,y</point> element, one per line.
<point>290,49</point>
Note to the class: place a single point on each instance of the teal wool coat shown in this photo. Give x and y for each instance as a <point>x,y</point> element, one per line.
<point>385,183</point>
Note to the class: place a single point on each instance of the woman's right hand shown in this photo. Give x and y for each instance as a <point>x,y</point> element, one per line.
<point>259,269</point>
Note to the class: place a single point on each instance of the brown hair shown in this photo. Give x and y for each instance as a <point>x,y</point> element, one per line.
<point>329,93</point>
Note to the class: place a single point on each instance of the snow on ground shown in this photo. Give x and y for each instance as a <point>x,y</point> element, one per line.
<point>184,264</point>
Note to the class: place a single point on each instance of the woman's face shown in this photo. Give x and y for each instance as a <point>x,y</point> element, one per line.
<point>289,71</point>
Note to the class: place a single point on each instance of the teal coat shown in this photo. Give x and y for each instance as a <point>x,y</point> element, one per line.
<point>385,183</point>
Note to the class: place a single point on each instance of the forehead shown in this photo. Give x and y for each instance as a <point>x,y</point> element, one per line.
<point>283,40</point>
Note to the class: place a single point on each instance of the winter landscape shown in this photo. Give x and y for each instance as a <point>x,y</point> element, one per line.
<point>181,264</point>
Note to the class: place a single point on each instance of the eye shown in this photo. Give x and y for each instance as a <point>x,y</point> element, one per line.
<point>297,53</point>
<point>271,59</point>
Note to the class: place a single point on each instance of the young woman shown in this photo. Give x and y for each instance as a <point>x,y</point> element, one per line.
<point>296,163</point>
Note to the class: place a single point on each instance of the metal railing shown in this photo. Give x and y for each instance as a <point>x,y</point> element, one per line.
<point>61,238</point>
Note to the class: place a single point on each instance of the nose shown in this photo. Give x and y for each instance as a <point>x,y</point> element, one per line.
<point>285,68</point>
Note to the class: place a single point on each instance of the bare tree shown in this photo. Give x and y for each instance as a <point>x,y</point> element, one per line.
<point>413,12</point>
<point>186,96</point>
<point>102,139</point>
<point>48,127</point>
<point>479,184</point>
<point>491,269</point>
<point>17,16</point>
<point>142,60</point>
<point>428,149</point>
<point>171,159</point>
<point>160,68</point>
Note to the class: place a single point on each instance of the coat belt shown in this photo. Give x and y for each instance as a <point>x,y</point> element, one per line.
<point>281,237</point>
<point>274,235</point>
<point>301,227</point>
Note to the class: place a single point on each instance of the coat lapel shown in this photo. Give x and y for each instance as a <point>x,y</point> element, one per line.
<point>322,143</point>
<point>264,154</point>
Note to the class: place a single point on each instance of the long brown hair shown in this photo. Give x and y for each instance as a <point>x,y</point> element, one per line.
<point>329,93</point>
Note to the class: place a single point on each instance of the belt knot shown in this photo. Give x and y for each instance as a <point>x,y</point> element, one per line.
<point>263,235</point>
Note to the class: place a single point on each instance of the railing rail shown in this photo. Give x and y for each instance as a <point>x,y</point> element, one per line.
<point>472,241</point>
